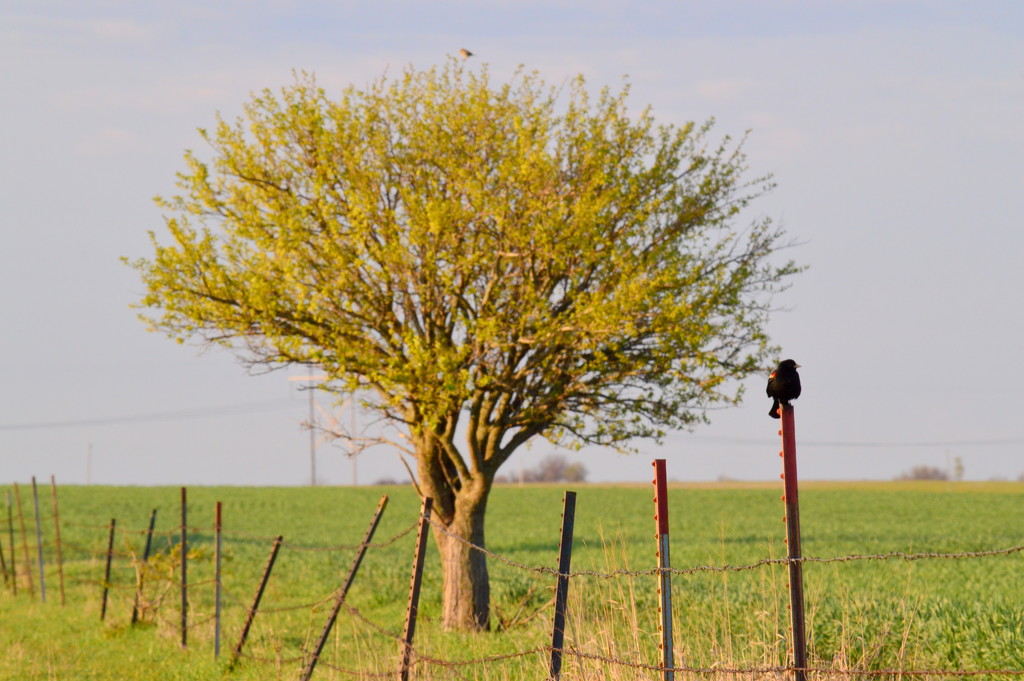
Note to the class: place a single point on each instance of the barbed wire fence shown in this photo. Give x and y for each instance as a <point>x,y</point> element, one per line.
<point>113,565</point>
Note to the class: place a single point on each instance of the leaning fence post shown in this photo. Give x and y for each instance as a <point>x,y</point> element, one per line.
<point>24,542</point>
<point>184,570</point>
<point>39,541</point>
<point>8,578</point>
<point>106,572</point>
<point>414,588</point>
<point>142,568</point>
<point>10,533</point>
<point>256,601</point>
<point>340,598</point>
<point>664,569</point>
<point>56,537</point>
<point>562,586</point>
<point>796,575</point>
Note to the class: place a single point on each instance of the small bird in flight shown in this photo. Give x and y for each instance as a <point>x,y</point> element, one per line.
<point>783,385</point>
<point>465,54</point>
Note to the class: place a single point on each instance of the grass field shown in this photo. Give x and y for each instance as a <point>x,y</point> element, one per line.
<point>954,614</point>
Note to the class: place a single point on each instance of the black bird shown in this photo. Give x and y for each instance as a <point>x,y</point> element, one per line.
<point>783,385</point>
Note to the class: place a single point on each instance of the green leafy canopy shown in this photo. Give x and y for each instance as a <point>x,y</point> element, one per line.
<point>527,259</point>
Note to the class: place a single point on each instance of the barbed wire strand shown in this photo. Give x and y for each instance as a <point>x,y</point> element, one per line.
<point>724,568</point>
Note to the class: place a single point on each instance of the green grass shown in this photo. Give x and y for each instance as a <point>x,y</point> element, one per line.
<point>863,614</point>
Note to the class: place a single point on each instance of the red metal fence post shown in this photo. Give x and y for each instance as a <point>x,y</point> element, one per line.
<point>414,589</point>
<point>184,571</point>
<point>664,569</point>
<point>796,578</point>
<point>217,530</point>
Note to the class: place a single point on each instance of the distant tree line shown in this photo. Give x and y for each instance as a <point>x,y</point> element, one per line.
<point>934,472</point>
<point>555,468</point>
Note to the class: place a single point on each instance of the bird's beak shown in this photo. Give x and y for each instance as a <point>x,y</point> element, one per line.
<point>798,366</point>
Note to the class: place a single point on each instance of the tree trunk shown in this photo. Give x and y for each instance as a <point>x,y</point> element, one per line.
<point>466,600</point>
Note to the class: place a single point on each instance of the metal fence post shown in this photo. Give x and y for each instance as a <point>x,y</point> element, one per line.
<point>142,568</point>
<point>796,578</point>
<point>256,601</point>
<point>184,570</point>
<point>664,569</point>
<point>340,598</point>
<point>216,581</point>
<point>39,541</point>
<point>562,585</point>
<point>106,572</point>
<point>10,533</point>
<point>25,558</point>
<point>414,588</point>
<point>56,536</point>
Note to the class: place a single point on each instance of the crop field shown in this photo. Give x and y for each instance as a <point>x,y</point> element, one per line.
<point>949,613</point>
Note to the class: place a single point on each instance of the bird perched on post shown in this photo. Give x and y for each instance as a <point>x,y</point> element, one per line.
<point>465,54</point>
<point>783,385</point>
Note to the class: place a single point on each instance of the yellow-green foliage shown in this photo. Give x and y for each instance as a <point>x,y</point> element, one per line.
<point>536,259</point>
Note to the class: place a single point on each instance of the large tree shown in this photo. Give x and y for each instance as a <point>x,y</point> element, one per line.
<point>484,263</point>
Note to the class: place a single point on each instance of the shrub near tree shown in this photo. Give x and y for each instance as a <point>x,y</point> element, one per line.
<point>484,263</point>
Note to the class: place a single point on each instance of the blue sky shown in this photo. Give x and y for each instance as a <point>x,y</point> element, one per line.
<point>893,130</point>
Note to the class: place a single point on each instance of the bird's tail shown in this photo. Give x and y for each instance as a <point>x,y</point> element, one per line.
<point>774,413</point>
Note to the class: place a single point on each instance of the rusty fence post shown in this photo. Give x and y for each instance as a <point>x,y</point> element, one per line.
<point>562,585</point>
<point>56,537</point>
<point>10,534</point>
<point>256,601</point>
<point>307,672</point>
<point>106,572</point>
<point>142,567</point>
<point>664,569</point>
<point>216,580</point>
<point>796,574</point>
<point>184,570</point>
<point>25,559</point>
<point>3,565</point>
<point>415,582</point>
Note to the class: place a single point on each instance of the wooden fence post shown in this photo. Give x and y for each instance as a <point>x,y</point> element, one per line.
<point>142,568</point>
<point>664,569</point>
<point>106,572</point>
<point>307,672</point>
<point>796,579</point>
<point>256,601</point>
<point>56,535</point>
<point>414,588</point>
<point>562,585</point>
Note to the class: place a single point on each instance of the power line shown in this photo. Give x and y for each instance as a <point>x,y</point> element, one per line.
<point>179,415</point>
<point>763,442</point>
